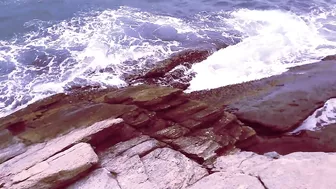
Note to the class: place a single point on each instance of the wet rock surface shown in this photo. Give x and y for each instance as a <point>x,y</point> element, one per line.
<point>277,104</point>
<point>142,136</point>
<point>323,140</point>
<point>174,71</point>
<point>330,57</point>
<point>149,136</point>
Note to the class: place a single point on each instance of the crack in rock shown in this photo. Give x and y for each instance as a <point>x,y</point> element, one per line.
<point>262,182</point>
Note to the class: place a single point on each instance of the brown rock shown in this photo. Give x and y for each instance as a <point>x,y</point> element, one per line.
<point>226,121</point>
<point>68,117</point>
<point>182,112</point>
<point>173,70</point>
<point>123,95</point>
<point>330,57</point>
<point>247,132</point>
<point>165,115</point>
<point>191,124</point>
<point>116,97</point>
<point>169,103</point>
<point>172,132</point>
<point>156,124</point>
<point>235,131</point>
<point>185,57</point>
<point>208,115</point>
<point>201,148</point>
<point>138,118</point>
<point>220,136</point>
<point>142,95</point>
<point>154,96</point>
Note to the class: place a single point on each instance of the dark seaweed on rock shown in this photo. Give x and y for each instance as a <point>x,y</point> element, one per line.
<point>172,71</point>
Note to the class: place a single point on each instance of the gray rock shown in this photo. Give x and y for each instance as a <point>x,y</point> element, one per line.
<point>98,179</point>
<point>199,146</point>
<point>171,169</point>
<point>131,173</point>
<point>274,155</point>
<point>123,160</point>
<point>125,150</point>
<point>10,146</point>
<point>224,180</point>
<point>42,151</point>
<point>301,170</point>
<point>161,168</point>
<point>57,169</point>
<point>296,170</point>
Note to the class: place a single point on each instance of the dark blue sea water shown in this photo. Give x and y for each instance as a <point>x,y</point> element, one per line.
<point>48,46</point>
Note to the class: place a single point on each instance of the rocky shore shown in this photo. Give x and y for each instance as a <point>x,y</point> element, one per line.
<point>151,136</point>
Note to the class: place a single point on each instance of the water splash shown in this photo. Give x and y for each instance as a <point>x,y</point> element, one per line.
<point>273,40</point>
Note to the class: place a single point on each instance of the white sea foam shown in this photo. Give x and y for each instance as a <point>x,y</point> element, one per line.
<point>97,48</point>
<point>89,49</point>
<point>321,117</point>
<point>273,40</point>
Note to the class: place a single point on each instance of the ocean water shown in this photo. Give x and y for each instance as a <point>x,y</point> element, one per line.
<point>49,46</point>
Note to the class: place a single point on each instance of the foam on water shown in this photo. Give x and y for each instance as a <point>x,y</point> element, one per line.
<point>92,48</point>
<point>272,41</point>
<point>321,117</point>
<point>101,47</point>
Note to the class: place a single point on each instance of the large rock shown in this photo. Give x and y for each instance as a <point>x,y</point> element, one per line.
<point>145,137</point>
<point>296,170</point>
<point>330,57</point>
<point>228,181</point>
<point>249,170</point>
<point>39,152</point>
<point>279,103</point>
<point>10,146</point>
<point>170,169</point>
<point>125,150</point>
<point>172,71</point>
<point>200,147</point>
<point>166,114</point>
<point>100,179</point>
<point>163,113</point>
<point>185,57</point>
<point>143,163</point>
<point>56,170</point>
<point>60,120</point>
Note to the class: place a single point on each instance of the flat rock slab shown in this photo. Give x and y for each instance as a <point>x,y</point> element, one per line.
<point>228,181</point>
<point>143,163</point>
<point>39,152</point>
<point>249,171</point>
<point>168,168</point>
<point>36,127</point>
<point>97,179</point>
<point>10,146</point>
<point>57,169</point>
<point>279,103</point>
